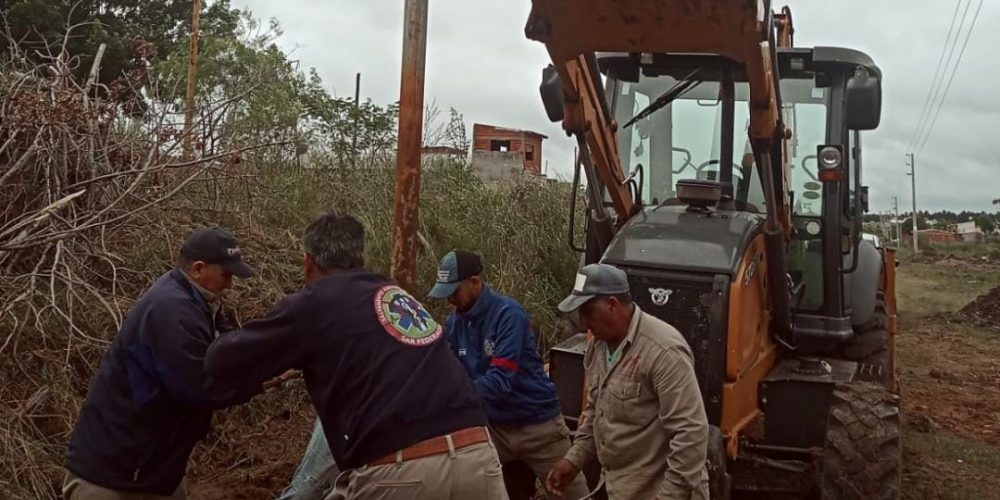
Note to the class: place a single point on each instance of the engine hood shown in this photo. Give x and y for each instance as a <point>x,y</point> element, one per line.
<point>671,237</point>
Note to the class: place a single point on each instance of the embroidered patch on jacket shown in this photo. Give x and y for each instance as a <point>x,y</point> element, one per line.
<point>404,318</point>
<point>489,346</point>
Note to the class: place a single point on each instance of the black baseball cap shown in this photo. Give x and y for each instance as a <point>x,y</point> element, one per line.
<point>215,245</point>
<point>457,265</point>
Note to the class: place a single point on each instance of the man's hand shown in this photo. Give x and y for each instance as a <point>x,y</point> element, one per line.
<point>281,379</point>
<point>562,473</point>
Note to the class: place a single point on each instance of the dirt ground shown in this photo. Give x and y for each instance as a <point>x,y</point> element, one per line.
<point>261,464</point>
<point>949,364</point>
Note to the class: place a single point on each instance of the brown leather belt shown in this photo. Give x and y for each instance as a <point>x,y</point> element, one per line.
<point>436,445</point>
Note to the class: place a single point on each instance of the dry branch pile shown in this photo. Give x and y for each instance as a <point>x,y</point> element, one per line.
<point>81,178</point>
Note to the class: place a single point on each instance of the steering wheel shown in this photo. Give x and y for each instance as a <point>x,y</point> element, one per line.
<point>699,168</point>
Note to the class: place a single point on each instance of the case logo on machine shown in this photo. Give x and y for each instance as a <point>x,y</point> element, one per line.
<point>660,296</point>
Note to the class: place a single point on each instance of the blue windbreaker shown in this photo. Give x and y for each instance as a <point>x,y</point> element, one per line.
<point>495,344</point>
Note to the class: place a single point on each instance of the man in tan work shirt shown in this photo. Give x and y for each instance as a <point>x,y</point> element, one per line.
<point>644,418</point>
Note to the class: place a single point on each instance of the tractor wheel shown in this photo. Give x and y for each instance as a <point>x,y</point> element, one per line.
<point>863,457</point>
<point>870,346</point>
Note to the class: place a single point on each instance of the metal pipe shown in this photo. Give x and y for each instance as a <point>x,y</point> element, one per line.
<point>774,242</point>
<point>604,232</point>
<point>728,94</point>
<point>411,110</point>
<point>572,205</point>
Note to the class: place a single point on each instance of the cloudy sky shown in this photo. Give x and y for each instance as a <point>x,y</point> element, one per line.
<point>479,62</point>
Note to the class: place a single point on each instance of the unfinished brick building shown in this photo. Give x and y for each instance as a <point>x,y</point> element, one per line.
<point>523,143</point>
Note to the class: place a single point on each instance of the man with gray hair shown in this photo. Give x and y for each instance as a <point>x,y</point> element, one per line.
<point>399,415</point>
<point>644,417</point>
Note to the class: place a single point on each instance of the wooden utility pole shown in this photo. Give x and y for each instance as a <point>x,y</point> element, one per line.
<point>191,77</point>
<point>411,111</point>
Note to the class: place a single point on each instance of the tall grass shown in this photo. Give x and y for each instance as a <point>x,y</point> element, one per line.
<point>519,227</point>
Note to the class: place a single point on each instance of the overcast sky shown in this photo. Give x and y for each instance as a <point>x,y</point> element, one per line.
<point>479,62</point>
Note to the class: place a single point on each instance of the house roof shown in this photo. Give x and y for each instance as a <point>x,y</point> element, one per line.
<point>512,130</point>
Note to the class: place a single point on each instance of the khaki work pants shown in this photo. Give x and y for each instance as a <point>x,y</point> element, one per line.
<point>472,472</point>
<point>77,488</point>
<point>539,446</point>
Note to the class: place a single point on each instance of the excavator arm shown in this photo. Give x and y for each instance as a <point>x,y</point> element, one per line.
<point>745,31</point>
<point>573,30</point>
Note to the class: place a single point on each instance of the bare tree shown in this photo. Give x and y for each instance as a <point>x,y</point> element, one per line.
<point>456,135</point>
<point>434,128</point>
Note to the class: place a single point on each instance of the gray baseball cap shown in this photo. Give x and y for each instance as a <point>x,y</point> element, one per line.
<point>594,280</point>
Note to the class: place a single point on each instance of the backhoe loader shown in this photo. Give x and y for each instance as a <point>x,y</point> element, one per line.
<point>723,170</point>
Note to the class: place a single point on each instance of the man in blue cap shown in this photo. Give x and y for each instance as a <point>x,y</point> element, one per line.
<point>491,335</point>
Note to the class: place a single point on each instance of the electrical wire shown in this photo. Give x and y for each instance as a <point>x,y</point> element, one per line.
<point>954,70</point>
<point>918,130</point>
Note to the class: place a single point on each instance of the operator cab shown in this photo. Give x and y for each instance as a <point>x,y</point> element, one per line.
<point>685,117</point>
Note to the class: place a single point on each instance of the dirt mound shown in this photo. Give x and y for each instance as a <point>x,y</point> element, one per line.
<point>985,309</point>
<point>951,260</point>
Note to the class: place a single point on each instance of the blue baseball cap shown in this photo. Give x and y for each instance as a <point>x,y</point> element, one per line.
<point>456,266</point>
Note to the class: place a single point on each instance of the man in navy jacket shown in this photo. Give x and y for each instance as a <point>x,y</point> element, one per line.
<point>151,400</point>
<point>399,417</point>
<point>491,335</point>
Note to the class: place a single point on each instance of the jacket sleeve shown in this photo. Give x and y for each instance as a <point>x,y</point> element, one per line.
<point>449,334</point>
<point>260,350</point>
<point>584,450</point>
<point>496,382</point>
<point>170,356</point>
<point>682,416</point>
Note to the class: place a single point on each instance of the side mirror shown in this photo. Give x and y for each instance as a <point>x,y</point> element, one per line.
<point>864,101</point>
<point>552,93</point>
<point>863,195</point>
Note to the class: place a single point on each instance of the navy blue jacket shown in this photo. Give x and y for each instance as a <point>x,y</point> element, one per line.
<point>494,341</point>
<point>151,400</point>
<point>374,362</point>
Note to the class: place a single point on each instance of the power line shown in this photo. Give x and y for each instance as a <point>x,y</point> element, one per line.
<point>965,43</point>
<point>939,84</point>
<point>930,91</point>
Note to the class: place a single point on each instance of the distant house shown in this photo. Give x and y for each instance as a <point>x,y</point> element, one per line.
<point>937,235</point>
<point>968,231</point>
<point>498,152</point>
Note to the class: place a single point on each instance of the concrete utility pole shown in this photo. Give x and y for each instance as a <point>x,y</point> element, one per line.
<point>411,116</point>
<point>895,222</point>
<point>913,186</point>
<point>191,77</point>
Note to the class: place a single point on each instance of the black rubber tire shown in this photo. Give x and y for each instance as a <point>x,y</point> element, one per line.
<point>870,346</point>
<point>863,455</point>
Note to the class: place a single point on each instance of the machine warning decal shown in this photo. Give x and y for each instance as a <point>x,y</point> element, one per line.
<point>405,318</point>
